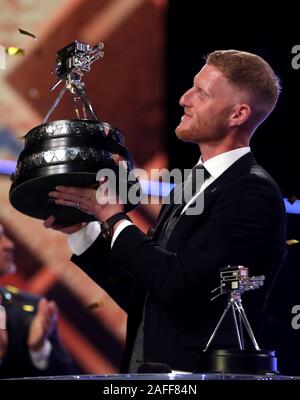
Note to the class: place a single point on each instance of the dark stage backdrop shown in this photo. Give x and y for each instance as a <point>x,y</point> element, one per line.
<point>193,32</point>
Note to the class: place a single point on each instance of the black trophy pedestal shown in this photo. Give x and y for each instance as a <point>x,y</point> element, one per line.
<point>69,153</point>
<point>32,198</point>
<point>238,361</point>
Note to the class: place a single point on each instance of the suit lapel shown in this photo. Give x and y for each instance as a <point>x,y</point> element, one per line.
<point>165,210</point>
<point>210,194</point>
<point>164,213</point>
<point>237,168</point>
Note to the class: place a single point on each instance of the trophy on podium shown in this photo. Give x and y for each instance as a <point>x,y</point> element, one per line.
<point>235,280</point>
<point>70,152</point>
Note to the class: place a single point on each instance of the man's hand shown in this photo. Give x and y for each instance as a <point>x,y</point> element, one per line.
<point>67,229</point>
<point>91,201</point>
<point>42,324</point>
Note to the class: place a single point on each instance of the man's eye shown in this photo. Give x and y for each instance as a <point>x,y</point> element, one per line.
<point>202,94</point>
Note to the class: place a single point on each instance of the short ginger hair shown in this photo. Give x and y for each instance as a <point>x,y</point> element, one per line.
<point>250,72</point>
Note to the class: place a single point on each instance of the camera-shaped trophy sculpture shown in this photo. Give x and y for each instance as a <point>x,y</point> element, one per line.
<point>70,152</point>
<point>235,280</point>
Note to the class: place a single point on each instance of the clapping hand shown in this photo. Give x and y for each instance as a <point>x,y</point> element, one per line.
<point>42,324</point>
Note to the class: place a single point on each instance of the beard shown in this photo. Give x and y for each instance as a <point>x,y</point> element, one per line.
<point>201,131</point>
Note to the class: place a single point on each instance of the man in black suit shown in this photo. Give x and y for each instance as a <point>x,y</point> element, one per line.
<point>29,343</point>
<point>164,283</point>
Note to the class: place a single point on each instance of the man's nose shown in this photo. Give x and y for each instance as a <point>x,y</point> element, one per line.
<point>185,98</point>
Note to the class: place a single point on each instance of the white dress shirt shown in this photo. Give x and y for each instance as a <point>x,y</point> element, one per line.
<point>40,358</point>
<point>80,241</point>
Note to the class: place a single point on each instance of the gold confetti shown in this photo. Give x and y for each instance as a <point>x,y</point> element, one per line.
<point>92,306</point>
<point>290,242</point>
<point>15,51</point>
<point>27,33</point>
<point>12,289</point>
<point>28,308</point>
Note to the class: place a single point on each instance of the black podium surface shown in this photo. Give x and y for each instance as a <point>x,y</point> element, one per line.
<point>159,385</point>
<point>165,377</point>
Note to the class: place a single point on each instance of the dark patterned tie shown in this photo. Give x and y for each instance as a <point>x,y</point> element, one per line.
<point>182,195</point>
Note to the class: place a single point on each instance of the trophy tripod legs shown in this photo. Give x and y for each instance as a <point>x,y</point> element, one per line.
<point>85,101</point>
<point>244,319</point>
<point>55,104</point>
<point>236,307</point>
<point>218,326</point>
<point>239,359</point>
<point>238,327</point>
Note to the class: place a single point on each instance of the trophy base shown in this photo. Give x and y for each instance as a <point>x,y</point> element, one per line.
<point>237,361</point>
<point>70,153</point>
<point>31,197</point>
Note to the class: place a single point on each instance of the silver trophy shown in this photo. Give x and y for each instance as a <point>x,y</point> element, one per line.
<point>235,280</point>
<point>70,152</point>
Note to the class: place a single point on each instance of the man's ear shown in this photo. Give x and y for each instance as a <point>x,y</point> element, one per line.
<point>240,114</point>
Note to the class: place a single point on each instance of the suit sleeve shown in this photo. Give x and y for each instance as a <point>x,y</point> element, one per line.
<point>115,280</point>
